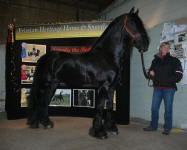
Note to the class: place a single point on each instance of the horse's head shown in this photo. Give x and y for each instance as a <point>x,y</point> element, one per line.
<point>134,27</point>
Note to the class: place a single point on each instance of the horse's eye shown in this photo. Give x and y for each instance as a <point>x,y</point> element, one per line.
<point>131,23</point>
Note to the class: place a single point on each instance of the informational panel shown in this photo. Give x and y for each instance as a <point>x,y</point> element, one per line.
<point>176,34</point>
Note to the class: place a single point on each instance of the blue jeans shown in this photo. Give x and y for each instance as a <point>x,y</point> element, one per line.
<point>168,96</point>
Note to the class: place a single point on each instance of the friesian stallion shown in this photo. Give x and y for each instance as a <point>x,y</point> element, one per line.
<point>99,68</point>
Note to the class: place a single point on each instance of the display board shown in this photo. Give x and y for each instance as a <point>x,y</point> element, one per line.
<point>176,34</point>
<point>21,60</point>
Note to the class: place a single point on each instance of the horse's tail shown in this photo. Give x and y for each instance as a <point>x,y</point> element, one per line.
<point>34,100</point>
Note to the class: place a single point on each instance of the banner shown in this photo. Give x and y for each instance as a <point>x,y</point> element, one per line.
<point>71,49</point>
<point>66,30</point>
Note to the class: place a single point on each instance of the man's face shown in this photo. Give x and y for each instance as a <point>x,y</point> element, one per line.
<point>165,49</point>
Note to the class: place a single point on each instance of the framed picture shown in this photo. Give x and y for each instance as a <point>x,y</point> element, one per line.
<point>32,52</point>
<point>62,97</point>
<point>27,74</point>
<point>172,47</point>
<point>180,38</point>
<point>25,92</point>
<point>179,51</point>
<point>84,98</point>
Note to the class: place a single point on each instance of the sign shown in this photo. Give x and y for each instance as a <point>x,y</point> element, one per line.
<point>71,49</point>
<point>66,30</point>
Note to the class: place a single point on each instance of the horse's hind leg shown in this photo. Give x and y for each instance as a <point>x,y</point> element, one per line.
<point>33,108</point>
<point>110,124</point>
<point>47,94</point>
<point>97,129</point>
<point>33,117</point>
<point>38,105</point>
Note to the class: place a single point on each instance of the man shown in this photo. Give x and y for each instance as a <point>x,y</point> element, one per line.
<point>165,71</point>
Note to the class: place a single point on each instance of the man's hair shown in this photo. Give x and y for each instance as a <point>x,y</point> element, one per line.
<point>163,44</point>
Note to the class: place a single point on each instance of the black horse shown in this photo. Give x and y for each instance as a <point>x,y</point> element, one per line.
<point>99,68</point>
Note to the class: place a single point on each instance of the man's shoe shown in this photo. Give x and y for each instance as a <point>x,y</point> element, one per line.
<point>166,132</point>
<point>148,129</point>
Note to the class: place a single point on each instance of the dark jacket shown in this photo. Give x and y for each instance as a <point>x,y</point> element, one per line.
<point>168,71</point>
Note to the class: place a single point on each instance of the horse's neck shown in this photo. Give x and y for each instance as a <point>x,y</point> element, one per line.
<point>112,47</point>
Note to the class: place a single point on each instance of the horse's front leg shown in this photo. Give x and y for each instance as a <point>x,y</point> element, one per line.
<point>47,94</point>
<point>110,123</point>
<point>97,129</point>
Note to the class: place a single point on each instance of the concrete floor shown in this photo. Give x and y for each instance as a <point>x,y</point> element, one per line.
<point>71,133</point>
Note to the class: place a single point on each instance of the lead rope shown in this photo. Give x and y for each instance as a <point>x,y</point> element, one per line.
<point>144,70</point>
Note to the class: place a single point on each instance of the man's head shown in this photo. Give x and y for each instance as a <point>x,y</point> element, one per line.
<point>164,48</point>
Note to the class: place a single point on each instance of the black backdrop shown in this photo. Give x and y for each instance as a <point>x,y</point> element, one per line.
<point>13,82</point>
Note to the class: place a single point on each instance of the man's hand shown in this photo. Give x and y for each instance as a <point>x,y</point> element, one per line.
<point>152,73</point>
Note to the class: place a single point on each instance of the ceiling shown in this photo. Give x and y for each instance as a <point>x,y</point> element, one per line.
<point>91,5</point>
<point>46,11</point>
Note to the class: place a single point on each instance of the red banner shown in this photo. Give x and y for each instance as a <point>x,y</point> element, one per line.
<point>71,49</point>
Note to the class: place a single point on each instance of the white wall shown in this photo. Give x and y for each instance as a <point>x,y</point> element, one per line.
<point>153,13</point>
<point>2,72</point>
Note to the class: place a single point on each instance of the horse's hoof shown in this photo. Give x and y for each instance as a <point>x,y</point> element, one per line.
<point>33,126</point>
<point>47,125</point>
<point>99,134</point>
<point>112,133</point>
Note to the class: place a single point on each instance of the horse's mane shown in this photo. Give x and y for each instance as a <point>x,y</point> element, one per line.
<point>107,32</point>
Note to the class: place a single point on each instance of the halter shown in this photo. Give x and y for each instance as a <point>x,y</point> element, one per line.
<point>134,36</point>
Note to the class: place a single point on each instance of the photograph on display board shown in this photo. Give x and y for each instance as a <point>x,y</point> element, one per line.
<point>25,92</point>
<point>180,37</point>
<point>172,44</point>
<point>172,47</point>
<point>27,74</point>
<point>179,51</point>
<point>62,97</point>
<point>32,52</point>
<point>84,98</point>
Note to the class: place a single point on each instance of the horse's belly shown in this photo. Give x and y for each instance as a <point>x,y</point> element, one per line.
<point>81,73</point>
<point>78,79</point>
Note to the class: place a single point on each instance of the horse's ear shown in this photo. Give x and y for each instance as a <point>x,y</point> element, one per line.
<point>137,11</point>
<point>131,11</point>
